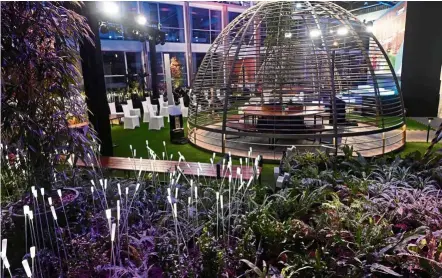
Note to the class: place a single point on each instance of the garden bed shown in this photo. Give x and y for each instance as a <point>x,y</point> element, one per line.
<point>336,217</point>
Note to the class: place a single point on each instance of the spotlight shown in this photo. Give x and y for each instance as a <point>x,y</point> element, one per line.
<point>288,35</point>
<point>315,33</point>
<point>140,19</point>
<point>342,31</point>
<point>110,8</point>
<point>104,29</point>
<point>335,43</point>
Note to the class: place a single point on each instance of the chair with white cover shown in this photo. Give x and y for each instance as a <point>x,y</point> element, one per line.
<point>113,111</point>
<point>163,108</point>
<point>146,115</point>
<point>133,111</point>
<point>130,122</point>
<point>184,109</point>
<point>155,108</point>
<point>155,122</point>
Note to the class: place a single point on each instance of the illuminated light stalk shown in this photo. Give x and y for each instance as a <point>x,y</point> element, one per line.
<point>217,201</point>
<point>46,218</point>
<point>25,212</point>
<point>64,211</point>
<point>27,268</point>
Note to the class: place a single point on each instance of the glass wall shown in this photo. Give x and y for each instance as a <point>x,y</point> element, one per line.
<point>205,25</point>
<point>233,15</point>
<point>169,18</point>
<point>116,64</point>
<point>197,59</point>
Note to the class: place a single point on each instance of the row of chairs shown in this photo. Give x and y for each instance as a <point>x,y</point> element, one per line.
<point>131,116</point>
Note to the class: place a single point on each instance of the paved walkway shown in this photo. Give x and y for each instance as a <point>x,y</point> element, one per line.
<point>435,123</point>
<point>419,135</point>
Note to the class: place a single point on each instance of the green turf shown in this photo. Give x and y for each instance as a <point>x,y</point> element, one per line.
<point>137,138</point>
<point>415,125</point>
<point>418,146</point>
<point>388,121</point>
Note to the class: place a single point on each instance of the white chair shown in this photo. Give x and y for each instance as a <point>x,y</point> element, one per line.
<point>155,122</point>
<point>155,110</point>
<point>113,109</point>
<point>130,122</point>
<point>184,109</point>
<point>163,108</point>
<point>145,112</point>
<point>133,111</point>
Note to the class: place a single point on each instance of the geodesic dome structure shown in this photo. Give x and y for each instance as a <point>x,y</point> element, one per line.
<point>299,73</point>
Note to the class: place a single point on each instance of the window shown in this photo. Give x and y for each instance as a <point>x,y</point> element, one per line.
<point>206,25</point>
<point>116,64</point>
<point>150,10</point>
<point>134,64</point>
<point>197,59</point>
<point>233,15</point>
<point>169,17</point>
<point>114,69</point>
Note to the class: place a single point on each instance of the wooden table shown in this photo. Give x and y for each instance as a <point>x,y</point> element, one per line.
<point>113,117</point>
<point>273,118</point>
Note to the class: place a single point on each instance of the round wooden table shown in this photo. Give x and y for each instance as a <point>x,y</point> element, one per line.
<point>276,120</point>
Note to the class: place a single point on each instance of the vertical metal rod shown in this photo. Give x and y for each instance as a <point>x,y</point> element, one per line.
<point>335,111</point>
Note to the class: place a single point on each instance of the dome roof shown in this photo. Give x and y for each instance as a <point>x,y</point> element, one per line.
<point>282,58</point>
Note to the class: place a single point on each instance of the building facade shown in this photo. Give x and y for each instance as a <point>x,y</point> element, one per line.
<point>190,28</point>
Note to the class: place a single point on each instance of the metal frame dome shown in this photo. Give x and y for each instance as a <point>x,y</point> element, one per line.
<point>299,73</point>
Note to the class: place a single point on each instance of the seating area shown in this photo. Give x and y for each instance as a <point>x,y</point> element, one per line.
<point>151,113</point>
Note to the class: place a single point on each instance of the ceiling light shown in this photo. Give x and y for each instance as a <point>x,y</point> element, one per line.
<point>315,33</point>
<point>141,19</point>
<point>369,28</point>
<point>288,35</point>
<point>342,31</point>
<point>298,5</point>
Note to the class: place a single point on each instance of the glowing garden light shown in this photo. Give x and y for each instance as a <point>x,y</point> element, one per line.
<point>54,215</point>
<point>7,265</point>
<point>217,204</point>
<point>27,268</point>
<point>26,212</point>
<point>32,253</point>
<point>4,248</point>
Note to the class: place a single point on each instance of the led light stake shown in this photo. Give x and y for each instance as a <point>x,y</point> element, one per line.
<point>4,247</point>
<point>26,267</point>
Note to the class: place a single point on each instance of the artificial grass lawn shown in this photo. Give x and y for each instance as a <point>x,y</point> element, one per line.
<point>411,147</point>
<point>415,125</point>
<point>411,123</point>
<point>137,138</point>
